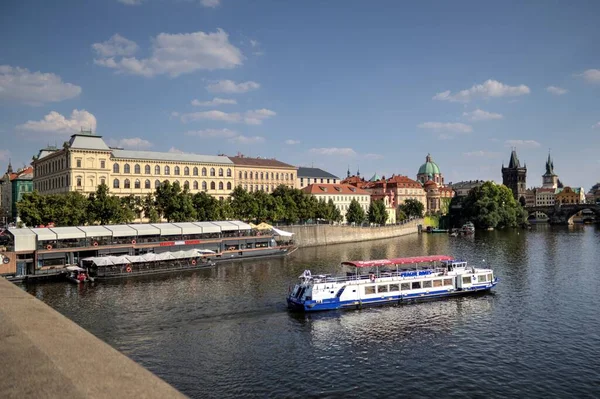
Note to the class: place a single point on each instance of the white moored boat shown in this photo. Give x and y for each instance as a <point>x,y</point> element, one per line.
<point>389,281</point>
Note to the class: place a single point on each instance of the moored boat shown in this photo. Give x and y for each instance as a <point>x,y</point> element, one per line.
<point>468,228</point>
<point>389,281</point>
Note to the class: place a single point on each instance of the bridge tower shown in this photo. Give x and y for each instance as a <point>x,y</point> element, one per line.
<point>515,176</point>
<point>549,179</point>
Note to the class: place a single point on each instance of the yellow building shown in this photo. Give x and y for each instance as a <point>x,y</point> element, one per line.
<point>570,195</point>
<point>262,174</point>
<point>86,161</point>
<point>341,195</point>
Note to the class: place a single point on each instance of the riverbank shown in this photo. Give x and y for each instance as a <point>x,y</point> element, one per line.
<point>324,234</point>
<point>47,355</point>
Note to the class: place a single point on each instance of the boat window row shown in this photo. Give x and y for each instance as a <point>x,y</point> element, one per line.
<point>148,185</point>
<point>166,170</point>
<point>414,285</point>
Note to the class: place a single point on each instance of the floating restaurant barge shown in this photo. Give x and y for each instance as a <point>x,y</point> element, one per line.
<point>122,250</point>
<point>389,281</point>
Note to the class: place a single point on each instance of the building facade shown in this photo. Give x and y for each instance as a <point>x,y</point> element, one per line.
<point>262,174</point>
<point>307,176</point>
<point>86,161</point>
<point>545,196</point>
<point>430,171</point>
<point>438,198</point>
<point>568,195</point>
<point>341,195</point>
<point>515,177</point>
<point>549,179</point>
<point>399,188</point>
<point>462,188</point>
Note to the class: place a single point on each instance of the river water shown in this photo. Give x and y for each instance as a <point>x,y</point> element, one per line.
<point>225,332</point>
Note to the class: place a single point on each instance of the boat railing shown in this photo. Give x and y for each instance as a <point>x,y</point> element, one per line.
<point>404,274</point>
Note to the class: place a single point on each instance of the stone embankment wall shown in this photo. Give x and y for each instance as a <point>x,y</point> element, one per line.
<point>323,234</point>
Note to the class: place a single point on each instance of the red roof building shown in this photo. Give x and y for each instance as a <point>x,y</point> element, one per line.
<point>340,194</point>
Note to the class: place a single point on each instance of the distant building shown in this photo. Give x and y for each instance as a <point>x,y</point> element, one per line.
<point>549,179</point>
<point>14,186</point>
<point>462,188</point>
<point>430,171</point>
<point>398,188</point>
<point>570,195</point>
<point>593,196</point>
<point>308,176</point>
<point>515,177</point>
<point>263,174</point>
<point>438,197</point>
<point>545,196</point>
<point>341,195</point>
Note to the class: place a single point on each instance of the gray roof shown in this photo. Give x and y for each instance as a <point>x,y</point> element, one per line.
<point>315,172</point>
<point>170,156</point>
<point>88,142</point>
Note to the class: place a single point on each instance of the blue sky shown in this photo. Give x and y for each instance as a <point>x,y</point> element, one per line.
<point>370,84</point>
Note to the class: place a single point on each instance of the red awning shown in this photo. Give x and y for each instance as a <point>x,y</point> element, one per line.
<point>398,261</point>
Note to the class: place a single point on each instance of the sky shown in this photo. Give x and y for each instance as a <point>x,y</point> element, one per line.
<point>369,85</point>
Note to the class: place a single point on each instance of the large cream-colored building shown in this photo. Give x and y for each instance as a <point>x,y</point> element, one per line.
<point>262,174</point>
<point>341,195</point>
<point>86,161</point>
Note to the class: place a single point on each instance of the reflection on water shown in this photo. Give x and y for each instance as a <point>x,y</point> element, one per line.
<point>225,332</point>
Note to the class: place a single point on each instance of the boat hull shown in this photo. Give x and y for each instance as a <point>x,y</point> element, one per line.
<point>336,304</point>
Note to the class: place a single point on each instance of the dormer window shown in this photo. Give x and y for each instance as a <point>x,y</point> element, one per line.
<point>323,188</point>
<point>338,189</point>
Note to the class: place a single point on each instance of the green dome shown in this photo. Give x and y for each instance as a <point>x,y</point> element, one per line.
<point>429,167</point>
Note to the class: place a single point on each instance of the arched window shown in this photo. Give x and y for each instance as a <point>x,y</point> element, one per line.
<point>267,175</point>
<point>267,187</point>
<point>245,175</point>
<point>157,170</point>
<point>156,183</point>
<point>212,171</point>
<point>186,185</point>
<point>228,185</point>
<point>204,186</point>
<point>251,175</point>
<point>102,181</point>
<point>261,175</point>
<point>78,182</point>
<point>147,169</point>
<point>147,184</point>
<point>220,172</point>
<point>195,185</point>
<point>220,185</point>
<point>262,188</point>
<point>177,170</point>
<point>251,188</point>
<point>203,171</point>
<point>277,176</point>
<point>195,171</point>
<point>271,175</point>
<point>228,172</point>
<point>137,184</point>
<point>186,171</point>
<point>127,183</point>
<point>116,183</point>
<point>136,169</point>
<point>212,185</point>
<point>126,168</point>
<point>240,175</point>
<point>167,170</point>
<point>116,168</point>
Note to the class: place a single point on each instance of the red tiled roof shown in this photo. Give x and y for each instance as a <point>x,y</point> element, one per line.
<point>264,162</point>
<point>334,189</point>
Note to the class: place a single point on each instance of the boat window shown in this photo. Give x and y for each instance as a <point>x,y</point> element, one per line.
<point>416,285</point>
<point>369,289</point>
<point>490,277</point>
<point>394,287</point>
<point>467,280</point>
<point>482,278</point>
<point>427,284</point>
<point>448,281</point>
<point>405,286</point>
<point>437,283</point>
<point>382,288</point>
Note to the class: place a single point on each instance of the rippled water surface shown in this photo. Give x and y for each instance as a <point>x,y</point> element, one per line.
<point>225,332</point>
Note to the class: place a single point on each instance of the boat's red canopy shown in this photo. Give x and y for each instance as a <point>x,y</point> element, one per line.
<point>398,261</point>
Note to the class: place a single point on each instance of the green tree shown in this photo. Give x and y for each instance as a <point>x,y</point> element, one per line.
<point>377,213</point>
<point>31,209</point>
<point>149,209</point>
<point>102,207</point>
<point>243,204</point>
<point>355,213</point>
<point>412,208</point>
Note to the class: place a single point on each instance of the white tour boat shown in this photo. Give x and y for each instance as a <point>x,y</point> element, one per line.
<point>389,281</point>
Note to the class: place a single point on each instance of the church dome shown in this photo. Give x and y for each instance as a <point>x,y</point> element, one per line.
<point>429,167</point>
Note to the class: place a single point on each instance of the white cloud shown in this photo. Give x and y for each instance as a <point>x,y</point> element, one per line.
<point>253,117</point>
<point>482,154</point>
<point>254,43</point>
<point>488,89</point>
<point>446,126</point>
<point>597,125</point>
<point>55,123</point>
<point>177,54</point>
<point>229,86</point>
<point>212,133</point>
<point>246,140</point>
<point>522,143</point>
<point>134,143</point>
<point>34,88</point>
<point>591,75</point>
<point>481,115</point>
<point>117,45</point>
<point>210,3</point>
<point>556,90</point>
<point>4,155</point>
<point>214,102</point>
<point>292,142</point>
<point>373,156</point>
<point>131,2</point>
<point>345,151</point>
<point>174,150</point>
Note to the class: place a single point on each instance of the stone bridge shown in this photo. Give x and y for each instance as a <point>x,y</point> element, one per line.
<point>560,214</point>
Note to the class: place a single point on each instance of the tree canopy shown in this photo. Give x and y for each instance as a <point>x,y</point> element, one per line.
<point>377,213</point>
<point>412,208</point>
<point>355,213</point>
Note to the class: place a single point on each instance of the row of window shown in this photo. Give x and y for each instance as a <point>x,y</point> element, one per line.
<point>338,198</point>
<point>137,169</point>
<point>50,167</point>
<point>414,285</point>
<point>265,175</point>
<point>52,183</point>
<point>148,185</point>
<point>315,181</point>
<point>262,187</point>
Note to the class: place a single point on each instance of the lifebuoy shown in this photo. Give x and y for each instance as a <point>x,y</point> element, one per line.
<point>48,247</point>
<point>128,269</point>
<point>372,277</point>
<point>133,242</point>
<point>193,262</point>
<point>95,243</point>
